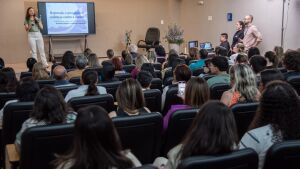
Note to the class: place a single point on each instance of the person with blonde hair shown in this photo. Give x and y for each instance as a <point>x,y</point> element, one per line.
<point>244,86</point>
<point>140,60</point>
<point>39,72</point>
<point>93,61</point>
<point>239,48</point>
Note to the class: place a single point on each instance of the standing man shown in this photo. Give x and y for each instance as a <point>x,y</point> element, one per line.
<point>252,36</point>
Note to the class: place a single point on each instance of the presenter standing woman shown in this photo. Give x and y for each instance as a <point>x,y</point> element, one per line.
<point>239,34</point>
<point>33,25</point>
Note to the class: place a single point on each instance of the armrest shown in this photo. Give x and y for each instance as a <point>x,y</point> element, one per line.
<point>140,42</point>
<point>12,155</point>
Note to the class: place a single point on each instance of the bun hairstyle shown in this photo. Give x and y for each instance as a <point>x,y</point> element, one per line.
<point>90,78</point>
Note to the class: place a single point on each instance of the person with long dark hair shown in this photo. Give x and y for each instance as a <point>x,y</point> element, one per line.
<point>213,132</point>
<point>89,80</point>
<point>33,25</point>
<point>68,60</point>
<point>12,80</point>
<point>277,119</point>
<point>96,144</point>
<point>49,108</point>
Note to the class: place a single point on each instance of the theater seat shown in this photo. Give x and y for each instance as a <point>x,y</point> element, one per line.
<point>104,100</point>
<point>206,77</point>
<point>217,90</point>
<point>128,68</point>
<point>4,97</point>
<point>65,89</point>
<point>75,80</point>
<point>141,134</point>
<point>111,87</point>
<point>295,82</point>
<point>43,83</point>
<point>171,98</point>
<point>123,76</point>
<point>241,159</point>
<point>179,123</point>
<point>25,74</point>
<point>244,114</point>
<point>41,144</point>
<point>197,72</point>
<point>156,83</point>
<point>157,66</point>
<point>153,99</point>
<point>283,155</point>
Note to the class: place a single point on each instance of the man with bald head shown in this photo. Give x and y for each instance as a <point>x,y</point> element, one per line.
<point>60,76</point>
<point>252,37</point>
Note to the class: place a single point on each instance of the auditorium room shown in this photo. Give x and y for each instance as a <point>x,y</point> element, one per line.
<point>150,84</point>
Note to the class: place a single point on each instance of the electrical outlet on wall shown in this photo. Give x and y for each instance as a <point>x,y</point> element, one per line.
<point>210,18</point>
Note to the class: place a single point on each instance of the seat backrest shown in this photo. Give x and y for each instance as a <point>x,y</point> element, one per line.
<point>158,73</point>
<point>240,159</point>
<point>123,76</point>
<point>4,97</point>
<point>171,99</point>
<point>75,80</point>
<point>156,83</point>
<point>244,114</point>
<point>197,72</point>
<point>104,100</point>
<point>152,35</point>
<point>206,77</point>
<point>14,115</point>
<point>168,81</point>
<point>178,125</point>
<point>168,73</point>
<point>295,82</point>
<point>41,144</point>
<point>141,134</point>
<point>217,90</point>
<point>283,155</point>
<point>65,89</point>
<point>157,66</point>
<point>43,83</point>
<point>25,74</point>
<point>111,87</point>
<point>128,68</point>
<point>153,99</point>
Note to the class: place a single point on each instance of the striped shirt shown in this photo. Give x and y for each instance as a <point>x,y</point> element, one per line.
<point>251,37</point>
<point>260,140</point>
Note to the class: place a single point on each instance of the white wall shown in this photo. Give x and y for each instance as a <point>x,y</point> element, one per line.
<point>267,17</point>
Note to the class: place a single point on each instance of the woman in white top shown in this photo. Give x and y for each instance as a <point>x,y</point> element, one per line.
<point>277,119</point>
<point>96,144</point>
<point>89,86</point>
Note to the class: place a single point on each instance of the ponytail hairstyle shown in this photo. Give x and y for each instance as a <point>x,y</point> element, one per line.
<point>90,78</point>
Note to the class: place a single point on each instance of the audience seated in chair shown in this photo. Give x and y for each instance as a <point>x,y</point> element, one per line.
<point>276,120</point>
<point>89,86</point>
<point>117,63</point>
<point>195,95</point>
<point>108,74</point>
<point>268,76</point>
<point>39,72</point>
<point>182,73</point>
<point>244,86</point>
<point>68,60</point>
<point>144,78</point>
<point>25,92</point>
<point>291,62</point>
<point>224,41</point>
<point>87,52</point>
<point>110,54</point>
<point>258,64</point>
<point>272,60</point>
<point>96,144</point>
<point>221,51</point>
<point>81,63</point>
<point>160,54</point>
<point>30,63</point>
<point>8,80</point>
<point>130,98</point>
<point>241,59</point>
<point>2,63</point>
<point>213,132</point>
<point>126,58</point>
<point>60,76</point>
<point>149,68</point>
<point>93,61</point>
<point>200,60</point>
<point>49,108</point>
<point>139,61</point>
<point>192,56</point>
<point>133,51</point>
<point>278,50</point>
<point>219,67</point>
<point>252,52</point>
<point>238,49</point>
